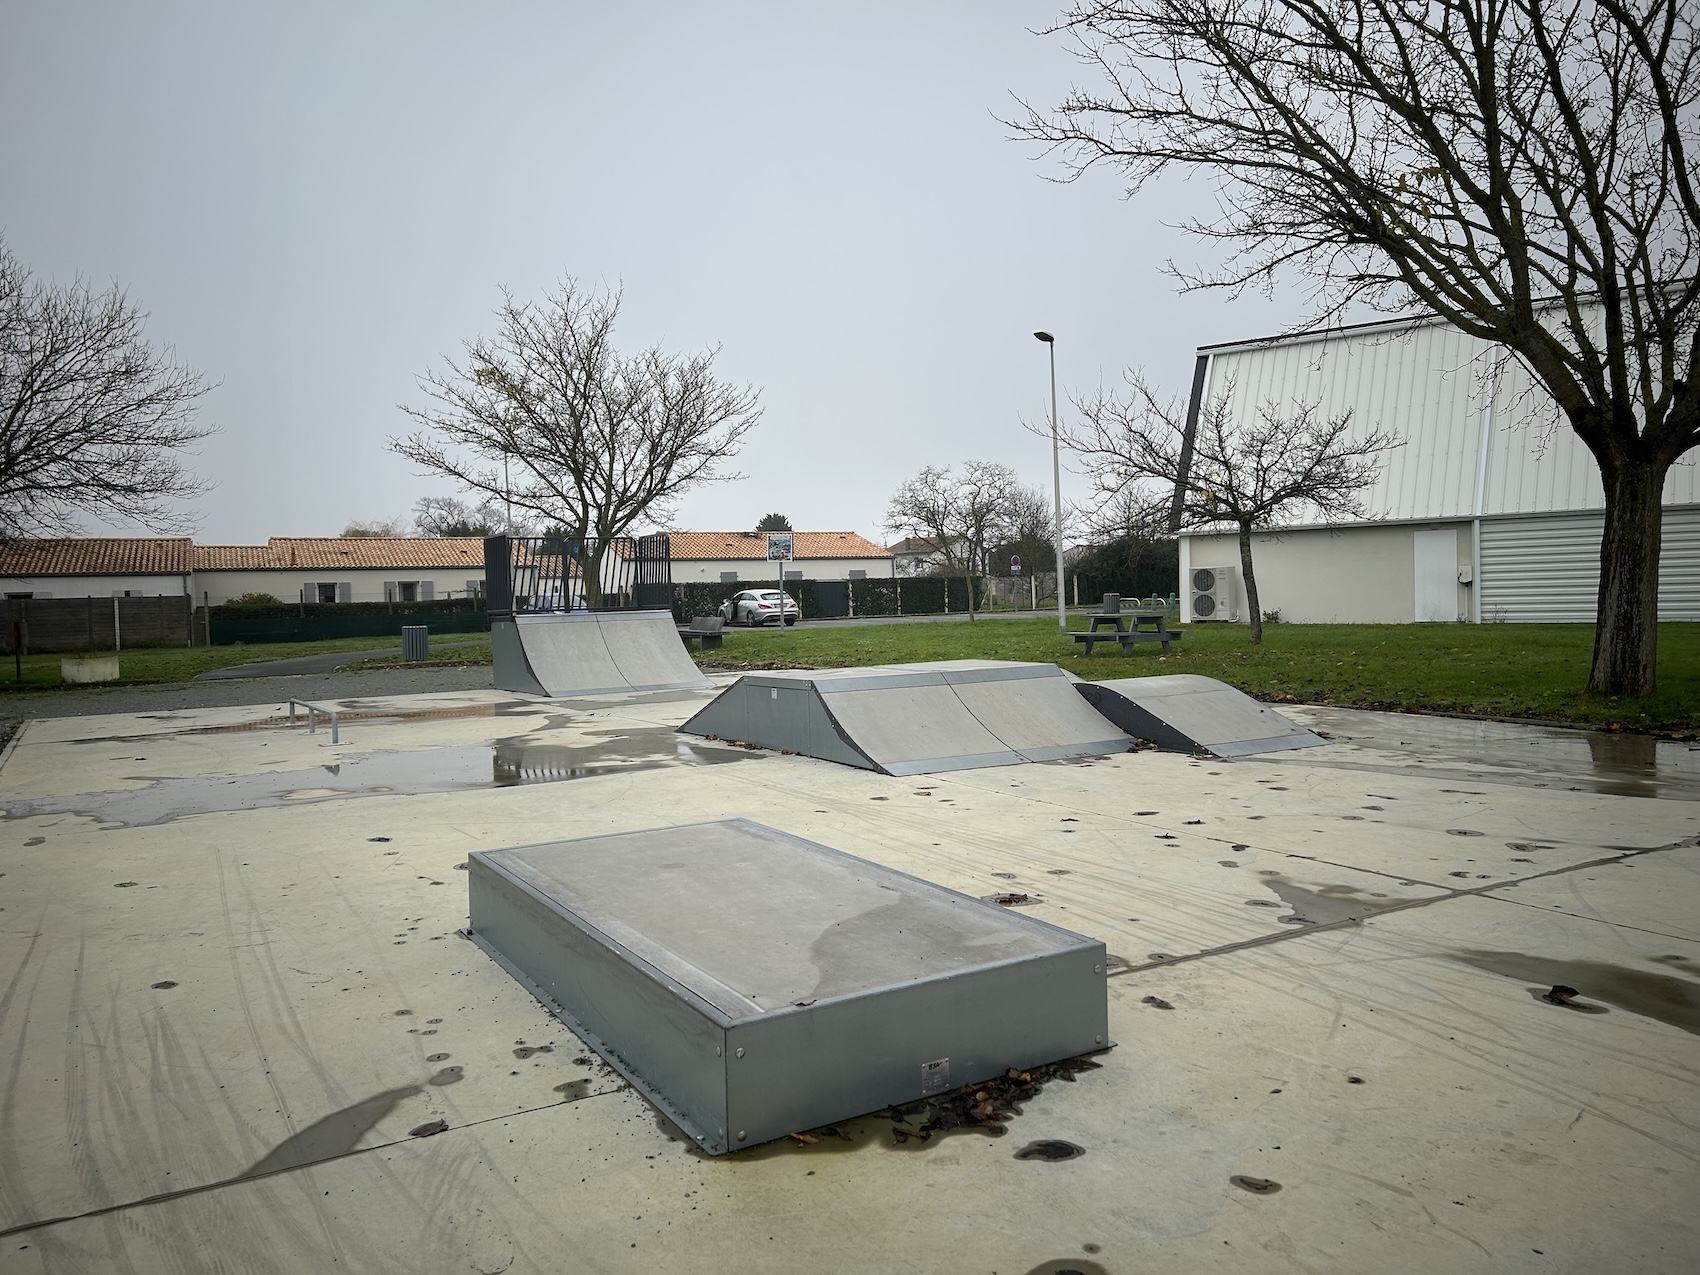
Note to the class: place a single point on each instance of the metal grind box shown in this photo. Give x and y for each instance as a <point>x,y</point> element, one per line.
<point>752,984</point>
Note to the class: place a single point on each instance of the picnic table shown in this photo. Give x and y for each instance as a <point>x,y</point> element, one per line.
<point>705,629</point>
<point>1127,628</point>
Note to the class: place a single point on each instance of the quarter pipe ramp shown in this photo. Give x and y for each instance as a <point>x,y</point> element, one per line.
<point>1191,714</point>
<point>591,653</point>
<point>914,719</point>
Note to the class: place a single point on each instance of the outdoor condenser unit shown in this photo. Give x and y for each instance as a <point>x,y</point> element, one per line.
<point>752,984</point>
<point>1212,593</point>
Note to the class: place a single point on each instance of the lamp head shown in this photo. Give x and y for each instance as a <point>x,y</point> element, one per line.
<point>1046,337</point>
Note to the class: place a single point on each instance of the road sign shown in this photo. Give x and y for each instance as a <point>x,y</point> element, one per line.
<point>1015,564</point>
<point>779,545</point>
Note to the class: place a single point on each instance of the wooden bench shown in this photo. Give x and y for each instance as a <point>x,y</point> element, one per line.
<point>1126,628</point>
<point>706,629</point>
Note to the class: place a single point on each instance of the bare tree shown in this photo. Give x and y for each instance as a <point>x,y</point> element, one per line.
<point>549,416</point>
<point>446,516</point>
<point>1253,475</point>
<point>376,529</point>
<point>92,417</point>
<point>1522,169</point>
<point>960,513</point>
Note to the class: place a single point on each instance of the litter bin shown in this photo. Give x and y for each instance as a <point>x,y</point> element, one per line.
<point>1112,604</point>
<point>415,643</point>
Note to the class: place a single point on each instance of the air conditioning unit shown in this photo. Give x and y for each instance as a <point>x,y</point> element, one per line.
<point>1212,591</point>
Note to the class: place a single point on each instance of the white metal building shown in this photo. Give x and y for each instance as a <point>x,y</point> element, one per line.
<point>1492,510</point>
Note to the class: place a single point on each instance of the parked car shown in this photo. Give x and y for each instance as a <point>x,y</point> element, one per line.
<point>759,606</point>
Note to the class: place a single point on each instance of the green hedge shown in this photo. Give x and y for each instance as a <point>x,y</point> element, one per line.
<point>353,621</point>
<point>304,610</point>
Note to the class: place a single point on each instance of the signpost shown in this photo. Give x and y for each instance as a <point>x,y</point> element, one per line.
<point>1015,564</point>
<point>779,549</point>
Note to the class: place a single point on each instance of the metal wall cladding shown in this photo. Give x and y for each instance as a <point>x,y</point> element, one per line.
<point>1433,386</point>
<point>1547,569</point>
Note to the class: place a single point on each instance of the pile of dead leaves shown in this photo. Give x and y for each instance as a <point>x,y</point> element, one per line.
<point>987,1106</point>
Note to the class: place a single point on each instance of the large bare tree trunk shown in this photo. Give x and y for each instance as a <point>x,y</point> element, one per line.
<point>1626,638</point>
<point>1256,636</point>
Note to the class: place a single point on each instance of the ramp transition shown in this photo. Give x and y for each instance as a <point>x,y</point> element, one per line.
<point>591,653</point>
<point>1191,714</point>
<point>914,719</point>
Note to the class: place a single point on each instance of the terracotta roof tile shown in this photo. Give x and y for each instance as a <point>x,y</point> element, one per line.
<point>348,553</point>
<point>711,546</point>
<point>97,557</point>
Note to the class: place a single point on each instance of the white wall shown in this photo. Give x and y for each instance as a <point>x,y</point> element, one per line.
<point>760,571</point>
<point>150,586</point>
<point>368,585</point>
<point>1360,575</point>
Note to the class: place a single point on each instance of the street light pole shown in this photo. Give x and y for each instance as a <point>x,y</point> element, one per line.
<point>1056,480</point>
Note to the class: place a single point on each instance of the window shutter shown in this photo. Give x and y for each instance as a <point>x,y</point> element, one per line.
<point>344,591</point>
<point>427,590</point>
<point>389,590</point>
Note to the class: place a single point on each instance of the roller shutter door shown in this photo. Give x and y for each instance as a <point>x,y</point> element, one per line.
<point>1547,569</point>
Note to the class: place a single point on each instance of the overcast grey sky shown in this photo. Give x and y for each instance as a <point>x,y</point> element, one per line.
<point>316,202</point>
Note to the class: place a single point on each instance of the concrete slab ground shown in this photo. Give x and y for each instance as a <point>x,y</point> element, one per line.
<point>234,999</point>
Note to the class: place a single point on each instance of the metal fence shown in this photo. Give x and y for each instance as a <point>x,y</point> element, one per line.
<point>532,575</point>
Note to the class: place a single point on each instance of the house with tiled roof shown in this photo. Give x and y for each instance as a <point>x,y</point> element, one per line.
<point>104,567</point>
<point>342,569</point>
<point>736,557</point>
<point>289,568</point>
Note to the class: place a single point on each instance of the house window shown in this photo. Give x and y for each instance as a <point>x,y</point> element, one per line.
<point>728,577</point>
<point>324,592</point>
<point>408,590</point>
<point>475,588</point>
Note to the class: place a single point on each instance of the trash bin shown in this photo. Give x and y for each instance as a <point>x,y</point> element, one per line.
<point>1112,604</point>
<point>415,643</point>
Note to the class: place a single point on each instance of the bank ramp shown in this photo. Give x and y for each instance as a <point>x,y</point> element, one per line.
<point>914,719</point>
<point>592,653</point>
<point>1190,714</point>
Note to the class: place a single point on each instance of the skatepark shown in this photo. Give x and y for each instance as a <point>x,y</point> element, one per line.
<point>247,1028</point>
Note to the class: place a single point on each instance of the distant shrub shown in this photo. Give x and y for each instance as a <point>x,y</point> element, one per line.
<point>257,600</point>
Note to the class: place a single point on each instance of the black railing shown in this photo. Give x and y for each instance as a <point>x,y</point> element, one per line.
<point>540,575</point>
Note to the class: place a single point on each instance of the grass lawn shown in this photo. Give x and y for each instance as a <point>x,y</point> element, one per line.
<point>180,663</point>
<point>1529,671</point>
<point>1518,671</point>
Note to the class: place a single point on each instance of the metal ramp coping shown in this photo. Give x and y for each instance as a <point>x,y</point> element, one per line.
<point>914,719</point>
<point>1187,713</point>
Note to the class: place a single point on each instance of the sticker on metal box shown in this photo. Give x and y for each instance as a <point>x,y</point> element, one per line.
<point>935,1077</point>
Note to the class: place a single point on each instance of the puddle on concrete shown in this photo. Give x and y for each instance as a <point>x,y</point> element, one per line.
<point>352,713</point>
<point>1324,905</point>
<point>336,1134</point>
<point>1674,1001</point>
<point>1620,765</point>
<point>506,763</point>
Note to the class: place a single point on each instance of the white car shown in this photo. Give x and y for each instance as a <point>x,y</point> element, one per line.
<point>760,606</point>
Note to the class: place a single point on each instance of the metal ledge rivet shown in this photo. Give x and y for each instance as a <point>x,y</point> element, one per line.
<point>717,1051</point>
<point>740,1054</point>
<point>1098,1039</point>
<point>1097,969</point>
<point>740,1135</point>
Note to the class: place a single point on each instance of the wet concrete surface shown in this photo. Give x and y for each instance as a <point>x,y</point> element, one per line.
<point>1675,1001</point>
<point>250,1041</point>
<point>506,763</point>
<point>1551,757</point>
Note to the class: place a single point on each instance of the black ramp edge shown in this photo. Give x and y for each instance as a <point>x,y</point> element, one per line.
<point>1193,714</point>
